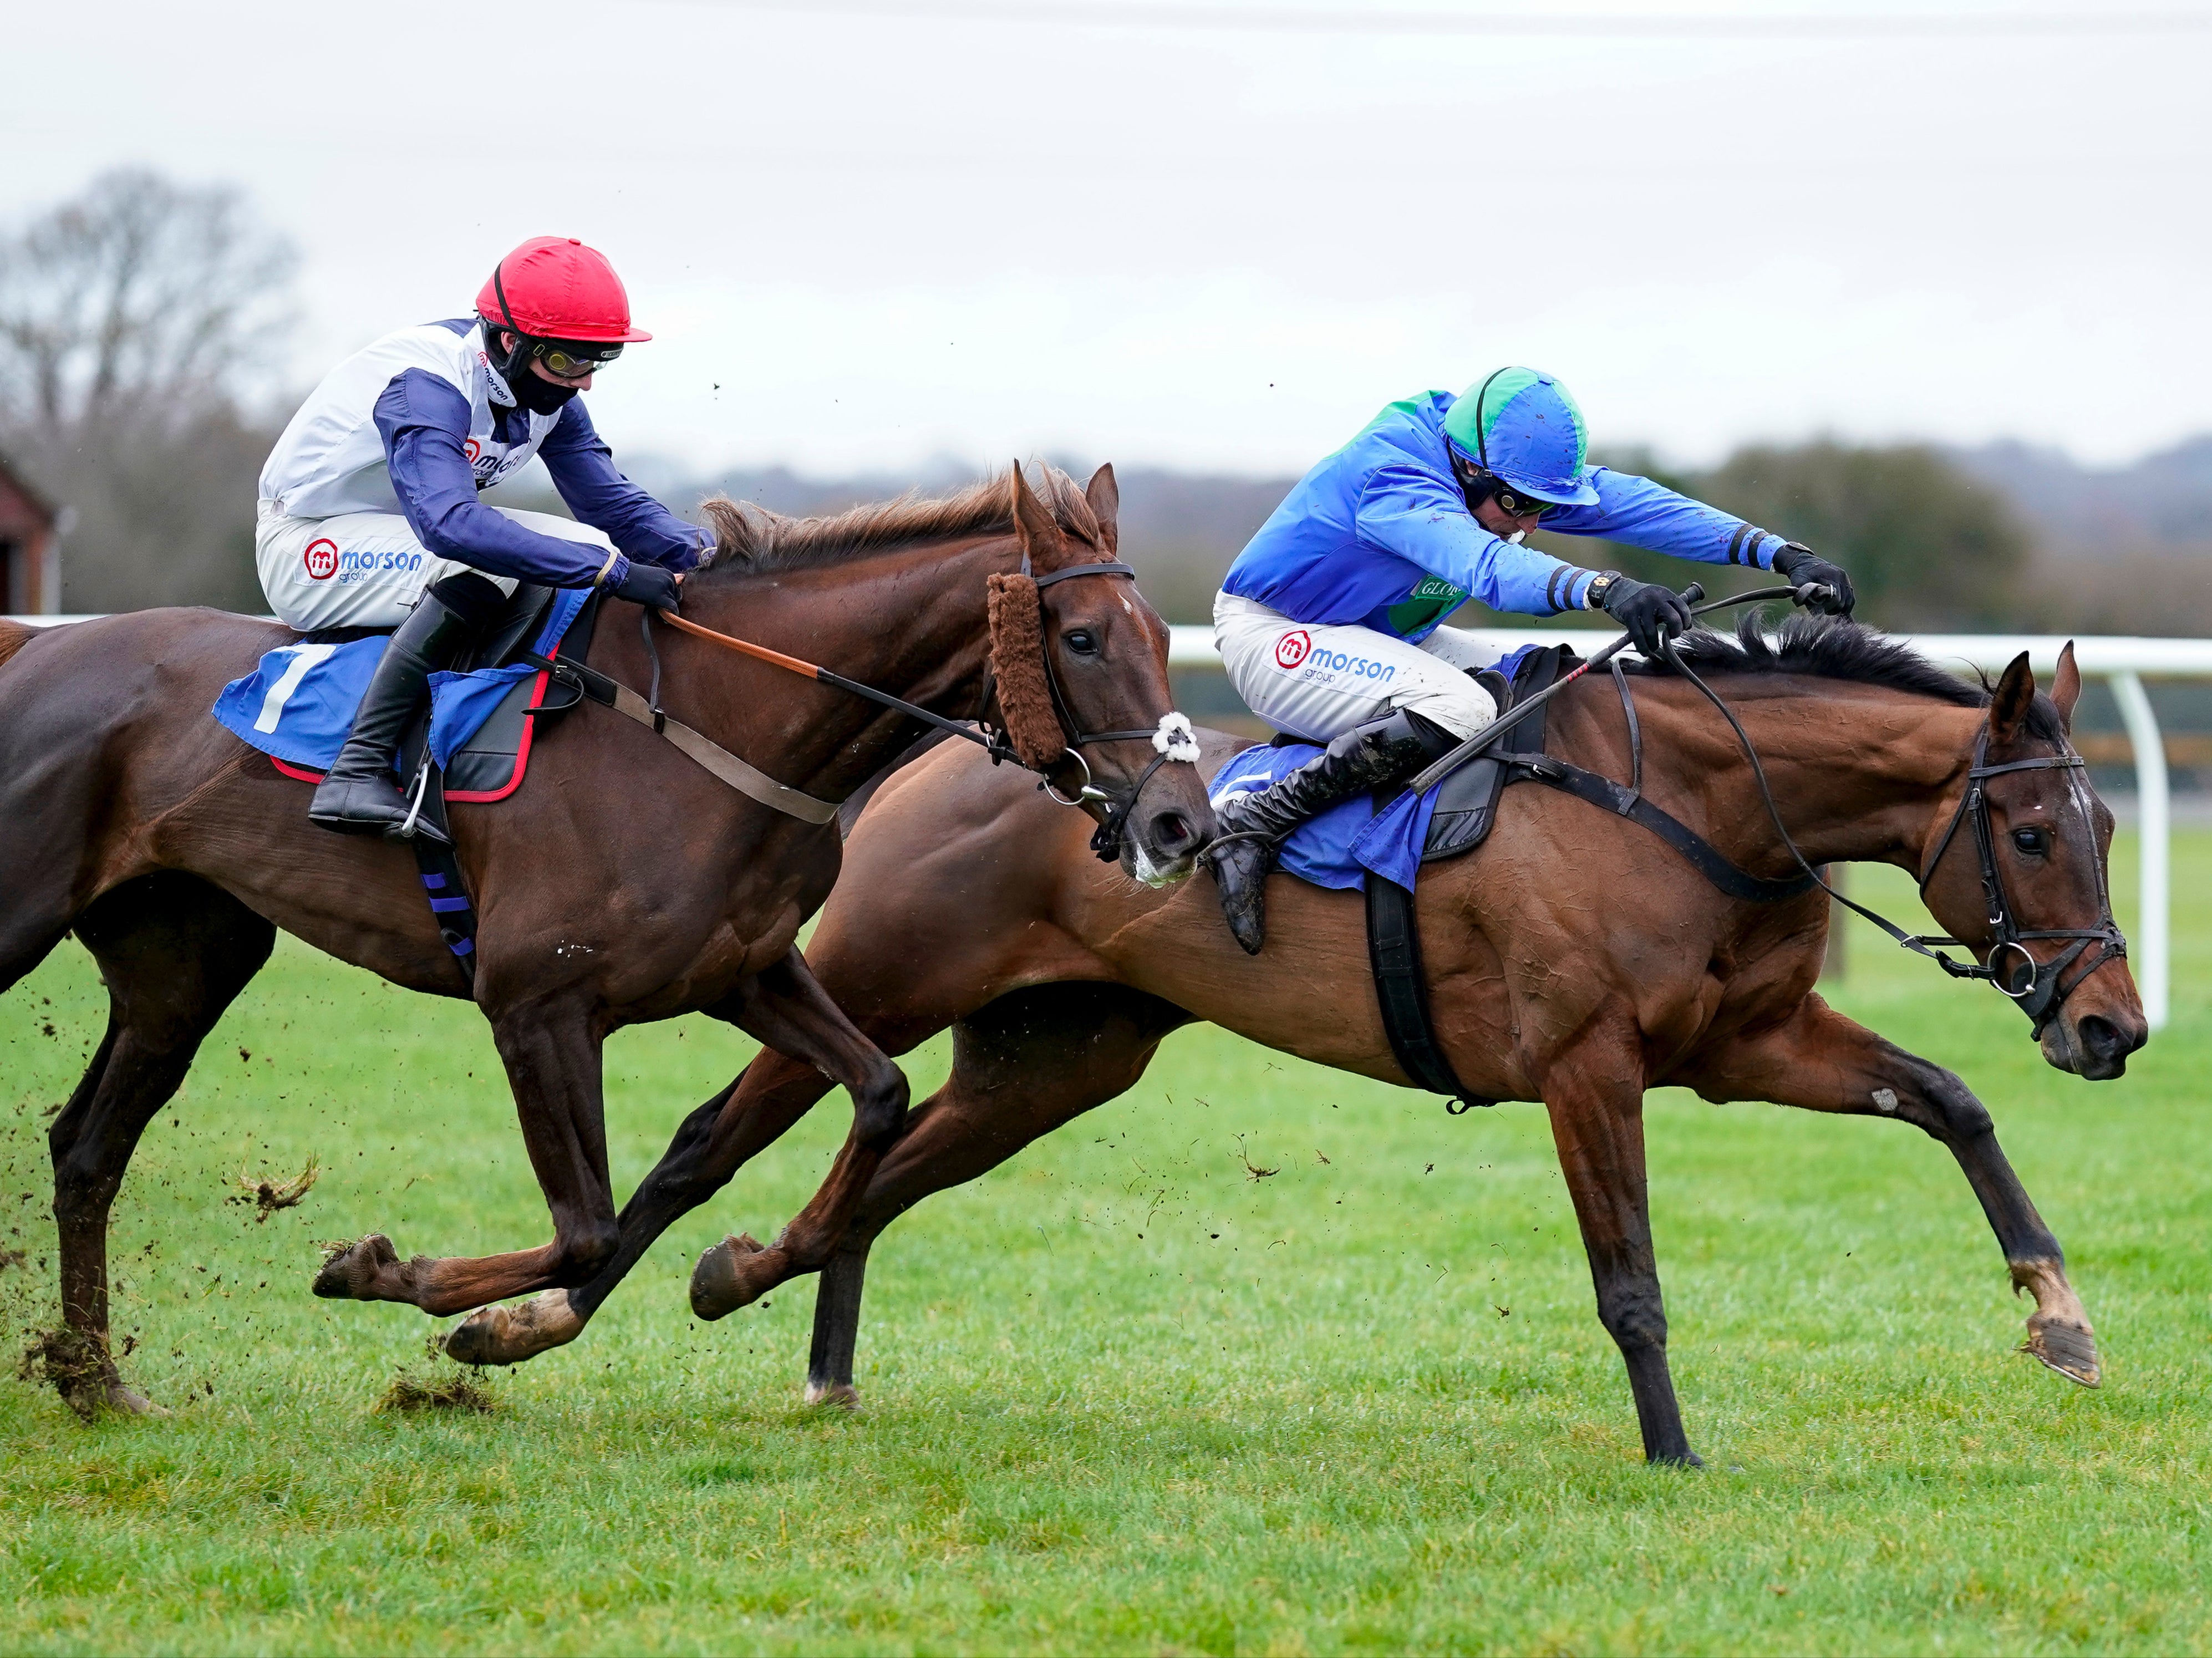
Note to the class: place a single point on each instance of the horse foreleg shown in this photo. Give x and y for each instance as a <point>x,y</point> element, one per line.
<point>712,1143</point>
<point>1022,1066</point>
<point>1594,1094</point>
<point>1820,1060</point>
<point>552,1055</point>
<point>790,1012</point>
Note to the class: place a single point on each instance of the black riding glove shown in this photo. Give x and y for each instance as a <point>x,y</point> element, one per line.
<point>648,584</point>
<point>1649,611</point>
<point>1805,567</point>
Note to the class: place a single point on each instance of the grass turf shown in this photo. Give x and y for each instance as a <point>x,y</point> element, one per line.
<point>1127,1393</point>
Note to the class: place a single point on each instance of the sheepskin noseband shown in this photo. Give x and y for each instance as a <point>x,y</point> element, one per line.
<point>1018,663</point>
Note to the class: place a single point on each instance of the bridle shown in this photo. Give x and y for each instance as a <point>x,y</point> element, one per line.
<point>2039,989</point>
<point>2046,988</point>
<point>1173,738</point>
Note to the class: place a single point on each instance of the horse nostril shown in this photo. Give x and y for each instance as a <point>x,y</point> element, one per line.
<point>2105,1042</point>
<point>1172,832</point>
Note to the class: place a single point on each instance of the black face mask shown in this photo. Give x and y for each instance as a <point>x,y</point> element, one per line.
<point>539,396</point>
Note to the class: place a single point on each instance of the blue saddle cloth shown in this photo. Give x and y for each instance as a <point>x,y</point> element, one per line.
<point>1335,848</point>
<point>299,704</point>
<point>1338,847</point>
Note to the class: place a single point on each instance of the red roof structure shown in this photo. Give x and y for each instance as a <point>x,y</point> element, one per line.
<point>30,549</point>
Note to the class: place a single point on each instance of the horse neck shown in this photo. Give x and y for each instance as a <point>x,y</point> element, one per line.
<point>1860,772</point>
<point>911,621</point>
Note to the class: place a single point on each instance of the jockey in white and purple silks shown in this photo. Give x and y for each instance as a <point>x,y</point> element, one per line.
<point>369,516</point>
<point>1327,622</point>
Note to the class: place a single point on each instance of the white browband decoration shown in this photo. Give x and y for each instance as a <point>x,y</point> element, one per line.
<point>1177,738</point>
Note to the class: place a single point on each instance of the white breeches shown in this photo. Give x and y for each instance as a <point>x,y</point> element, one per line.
<point>1319,683</point>
<point>365,569</point>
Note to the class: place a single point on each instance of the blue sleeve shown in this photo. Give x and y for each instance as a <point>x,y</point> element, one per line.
<point>584,471</point>
<point>1407,513</point>
<point>1647,515</point>
<point>424,423</point>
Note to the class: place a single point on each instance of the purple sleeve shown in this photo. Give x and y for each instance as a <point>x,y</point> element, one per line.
<point>584,471</point>
<point>424,423</point>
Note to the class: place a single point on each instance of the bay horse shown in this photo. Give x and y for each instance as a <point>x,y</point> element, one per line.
<point>1575,959</point>
<point>623,884</point>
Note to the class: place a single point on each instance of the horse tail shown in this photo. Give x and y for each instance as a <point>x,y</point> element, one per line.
<point>13,635</point>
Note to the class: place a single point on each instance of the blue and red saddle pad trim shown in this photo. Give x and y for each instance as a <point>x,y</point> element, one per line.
<point>298,704</point>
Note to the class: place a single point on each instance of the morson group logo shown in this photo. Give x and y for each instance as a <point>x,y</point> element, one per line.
<point>321,559</point>
<point>1290,649</point>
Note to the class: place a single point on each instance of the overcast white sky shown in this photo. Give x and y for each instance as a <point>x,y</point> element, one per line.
<point>889,232</point>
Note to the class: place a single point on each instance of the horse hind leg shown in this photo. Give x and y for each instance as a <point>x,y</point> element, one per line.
<point>1022,1066</point>
<point>174,952</point>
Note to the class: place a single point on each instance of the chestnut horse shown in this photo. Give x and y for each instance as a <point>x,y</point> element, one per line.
<point>1575,959</point>
<point>624,884</point>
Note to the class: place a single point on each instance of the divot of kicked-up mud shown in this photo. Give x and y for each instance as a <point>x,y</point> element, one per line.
<point>71,1364</point>
<point>268,1196</point>
<point>447,1388</point>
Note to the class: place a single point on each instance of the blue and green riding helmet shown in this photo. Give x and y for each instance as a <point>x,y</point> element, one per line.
<point>1525,429</point>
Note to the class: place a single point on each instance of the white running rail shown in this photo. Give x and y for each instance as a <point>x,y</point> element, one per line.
<point>2124,662</point>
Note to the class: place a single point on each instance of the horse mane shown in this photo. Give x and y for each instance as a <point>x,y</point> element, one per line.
<point>1824,647</point>
<point>752,539</point>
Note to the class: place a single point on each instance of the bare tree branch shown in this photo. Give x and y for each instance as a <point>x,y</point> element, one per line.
<point>141,295</point>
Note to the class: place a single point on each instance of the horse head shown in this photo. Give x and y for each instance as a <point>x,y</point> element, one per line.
<point>2020,873</point>
<point>1081,672</point>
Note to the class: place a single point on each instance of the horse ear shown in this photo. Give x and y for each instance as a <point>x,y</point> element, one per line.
<point>1033,523</point>
<point>2066,689</point>
<point>2010,703</point>
<point>1105,498</point>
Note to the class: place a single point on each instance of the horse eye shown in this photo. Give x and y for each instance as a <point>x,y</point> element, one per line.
<point>1082,642</point>
<point>2033,842</point>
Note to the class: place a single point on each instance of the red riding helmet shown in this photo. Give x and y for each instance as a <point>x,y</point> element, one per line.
<point>554,288</point>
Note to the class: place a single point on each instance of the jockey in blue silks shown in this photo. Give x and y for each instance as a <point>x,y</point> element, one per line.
<point>369,516</point>
<point>1328,619</point>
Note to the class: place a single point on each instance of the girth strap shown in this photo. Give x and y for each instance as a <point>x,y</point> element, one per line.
<point>748,780</point>
<point>1401,992</point>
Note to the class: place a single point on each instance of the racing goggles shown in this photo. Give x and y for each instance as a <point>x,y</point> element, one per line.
<point>1514,504</point>
<point>572,360</point>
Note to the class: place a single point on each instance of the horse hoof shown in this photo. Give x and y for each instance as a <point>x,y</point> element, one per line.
<point>2065,1347</point>
<point>719,1282</point>
<point>837,1395</point>
<point>352,1273</point>
<point>129,1401</point>
<point>507,1335</point>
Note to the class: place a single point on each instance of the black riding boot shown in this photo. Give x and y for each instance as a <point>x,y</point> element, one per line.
<point>359,794</point>
<point>1366,758</point>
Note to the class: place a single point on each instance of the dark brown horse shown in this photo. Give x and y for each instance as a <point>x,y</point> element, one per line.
<point>1575,960</point>
<point>625,883</point>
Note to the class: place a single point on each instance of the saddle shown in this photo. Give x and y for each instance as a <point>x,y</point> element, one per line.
<point>490,764</point>
<point>1465,810</point>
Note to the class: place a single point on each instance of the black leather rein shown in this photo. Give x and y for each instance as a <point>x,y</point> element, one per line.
<point>2044,989</point>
